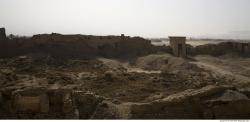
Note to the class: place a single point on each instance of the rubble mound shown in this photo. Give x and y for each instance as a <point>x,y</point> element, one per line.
<point>165,62</point>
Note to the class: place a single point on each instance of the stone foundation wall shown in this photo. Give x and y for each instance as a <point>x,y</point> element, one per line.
<point>210,102</point>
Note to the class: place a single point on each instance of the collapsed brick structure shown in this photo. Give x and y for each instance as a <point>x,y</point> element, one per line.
<point>178,45</point>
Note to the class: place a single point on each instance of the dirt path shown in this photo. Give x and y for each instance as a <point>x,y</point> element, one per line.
<point>138,70</point>
<point>221,70</point>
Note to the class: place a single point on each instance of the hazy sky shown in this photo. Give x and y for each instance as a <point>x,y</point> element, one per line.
<point>147,18</point>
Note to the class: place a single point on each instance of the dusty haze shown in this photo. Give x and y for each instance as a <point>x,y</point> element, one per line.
<point>147,18</point>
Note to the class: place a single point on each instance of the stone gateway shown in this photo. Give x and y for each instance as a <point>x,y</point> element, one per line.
<point>178,45</point>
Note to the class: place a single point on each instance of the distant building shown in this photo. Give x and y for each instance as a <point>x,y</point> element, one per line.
<point>122,36</point>
<point>178,45</point>
<point>2,34</point>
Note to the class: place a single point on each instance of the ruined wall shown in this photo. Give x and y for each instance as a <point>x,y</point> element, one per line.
<point>80,46</point>
<point>243,49</point>
<point>30,101</point>
<point>37,103</point>
<point>210,102</point>
<point>2,34</point>
<point>2,41</point>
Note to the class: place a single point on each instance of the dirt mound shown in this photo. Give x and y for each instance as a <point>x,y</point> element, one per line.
<point>113,64</point>
<point>153,62</point>
<point>165,62</point>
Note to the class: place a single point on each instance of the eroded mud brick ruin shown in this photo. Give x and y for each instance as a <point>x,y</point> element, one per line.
<point>55,76</point>
<point>178,45</point>
<point>2,34</point>
<point>122,36</point>
<point>241,47</point>
<point>2,40</point>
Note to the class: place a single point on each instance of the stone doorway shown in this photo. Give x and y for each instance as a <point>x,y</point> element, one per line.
<point>180,50</point>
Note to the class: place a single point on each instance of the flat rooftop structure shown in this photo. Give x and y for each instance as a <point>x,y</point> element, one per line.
<point>178,45</point>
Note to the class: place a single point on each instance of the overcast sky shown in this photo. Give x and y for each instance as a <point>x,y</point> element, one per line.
<point>146,18</point>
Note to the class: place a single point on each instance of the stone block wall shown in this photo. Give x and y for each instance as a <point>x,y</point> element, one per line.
<point>24,103</point>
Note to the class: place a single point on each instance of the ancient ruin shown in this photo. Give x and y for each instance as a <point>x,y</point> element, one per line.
<point>2,34</point>
<point>210,102</point>
<point>56,76</point>
<point>178,45</point>
<point>123,37</point>
<point>241,47</point>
